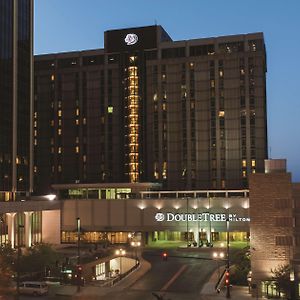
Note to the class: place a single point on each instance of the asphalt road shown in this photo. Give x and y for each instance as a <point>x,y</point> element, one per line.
<point>180,277</point>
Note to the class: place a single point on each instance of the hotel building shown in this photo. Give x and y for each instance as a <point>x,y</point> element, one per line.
<point>16,67</point>
<point>186,114</point>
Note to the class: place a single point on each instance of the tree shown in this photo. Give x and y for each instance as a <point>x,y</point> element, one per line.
<point>38,258</point>
<point>281,277</point>
<point>6,268</point>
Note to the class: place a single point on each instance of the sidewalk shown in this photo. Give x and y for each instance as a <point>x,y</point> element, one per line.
<point>208,291</point>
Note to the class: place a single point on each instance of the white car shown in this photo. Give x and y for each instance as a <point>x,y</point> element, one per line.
<point>34,288</point>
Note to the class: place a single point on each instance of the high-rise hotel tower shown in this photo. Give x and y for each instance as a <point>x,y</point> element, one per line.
<point>188,114</point>
<point>16,61</point>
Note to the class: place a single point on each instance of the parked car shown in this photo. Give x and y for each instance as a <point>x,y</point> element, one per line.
<point>52,280</point>
<point>34,288</point>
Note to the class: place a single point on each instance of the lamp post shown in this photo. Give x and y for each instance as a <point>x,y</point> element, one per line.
<point>78,256</point>
<point>187,222</point>
<point>18,259</point>
<point>228,263</point>
<point>136,245</point>
<point>120,253</point>
<point>217,256</point>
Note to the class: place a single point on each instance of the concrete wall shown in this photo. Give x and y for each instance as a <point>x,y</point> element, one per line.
<point>139,214</point>
<point>51,226</point>
<point>271,225</point>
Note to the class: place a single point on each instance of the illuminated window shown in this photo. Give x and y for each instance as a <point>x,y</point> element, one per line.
<point>77,149</point>
<point>244,163</point>
<point>164,106</point>
<point>59,122</point>
<point>155,97</point>
<point>253,163</point>
<point>84,158</point>
<point>35,169</point>
<point>223,184</point>
<point>59,150</point>
<point>110,109</point>
<point>59,113</point>
<point>221,73</point>
<point>35,142</point>
<point>35,114</point>
<point>132,59</point>
<point>52,77</point>
<point>59,131</point>
<point>221,113</point>
<point>244,173</point>
<point>212,83</point>
<point>77,111</point>
<point>59,168</point>
<point>77,121</point>
<point>253,171</point>
<point>35,124</point>
<point>192,65</point>
<point>84,121</point>
<point>18,161</point>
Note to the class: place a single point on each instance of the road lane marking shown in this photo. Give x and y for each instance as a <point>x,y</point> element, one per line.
<point>176,275</point>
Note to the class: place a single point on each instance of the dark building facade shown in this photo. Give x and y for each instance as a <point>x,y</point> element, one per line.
<point>187,114</point>
<point>16,61</point>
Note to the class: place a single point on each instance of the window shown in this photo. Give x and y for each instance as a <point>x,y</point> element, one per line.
<point>244,163</point>
<point>110,109</point>
<point>284,240</point>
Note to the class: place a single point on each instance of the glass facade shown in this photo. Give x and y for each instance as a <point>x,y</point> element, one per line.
<point>15,91</point>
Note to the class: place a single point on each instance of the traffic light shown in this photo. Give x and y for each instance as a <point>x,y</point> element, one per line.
<point>79,271</point>
<point>165,256</point>
<point>227,278</point>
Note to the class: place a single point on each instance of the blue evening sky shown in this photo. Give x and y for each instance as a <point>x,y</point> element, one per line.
<point>65,25</point>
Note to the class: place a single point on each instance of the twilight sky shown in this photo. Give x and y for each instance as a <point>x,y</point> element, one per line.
<point>66,25</point>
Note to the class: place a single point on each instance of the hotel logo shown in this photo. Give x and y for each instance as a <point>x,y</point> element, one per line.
<point>159,217</point>
<point>131,39</point>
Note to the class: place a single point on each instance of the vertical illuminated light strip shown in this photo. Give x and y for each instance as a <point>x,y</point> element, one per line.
<point>133,119</point>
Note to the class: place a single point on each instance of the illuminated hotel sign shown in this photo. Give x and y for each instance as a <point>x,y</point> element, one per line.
<point>192,217</point>
<point>131,39</point>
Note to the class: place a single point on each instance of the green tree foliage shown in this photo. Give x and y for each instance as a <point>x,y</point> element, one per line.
<point>38,258</point>
<point>281,277</point>
<point>241,270</point>
<point>6,268</point>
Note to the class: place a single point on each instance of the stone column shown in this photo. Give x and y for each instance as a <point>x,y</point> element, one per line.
<point>28,237</point>
<point>11,228</point>
<point>196,235</point>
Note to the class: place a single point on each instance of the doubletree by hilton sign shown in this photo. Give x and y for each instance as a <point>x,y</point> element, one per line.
<point>196,217</point>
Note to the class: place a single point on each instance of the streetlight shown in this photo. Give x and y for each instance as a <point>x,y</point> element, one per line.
<point>78,269</point>
<point>120,253</point>
<point>217,256</point>
<point>228,263</point>
<point>136,245</point>
<point>18,259</point>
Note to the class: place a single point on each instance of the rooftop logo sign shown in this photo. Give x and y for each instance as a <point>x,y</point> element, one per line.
<point>131,39</point>
<point>195,217</point>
